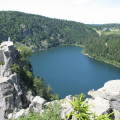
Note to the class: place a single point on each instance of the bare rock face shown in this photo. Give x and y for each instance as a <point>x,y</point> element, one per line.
<point>11,97</point>
<point>8,56</point>
<point>36,105</point>
<point>106,99</point>
<point>13,93</point>
<point>10,93</point>
<point>2,105</point>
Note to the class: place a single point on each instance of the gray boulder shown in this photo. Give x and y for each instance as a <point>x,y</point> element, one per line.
<point>110,90</point>
<point>26,97</point>
<point>106,99</point>
<point>99,106</point>
<point>36,105</point>
<point>66,107</point>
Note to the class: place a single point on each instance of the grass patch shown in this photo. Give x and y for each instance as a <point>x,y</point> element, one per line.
<point>2,63</point>
<point>111,32</point>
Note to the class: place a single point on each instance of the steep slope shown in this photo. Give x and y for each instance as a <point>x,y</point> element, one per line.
<point>13,91</point>
<point>41,32</point>
<point>18,86</point>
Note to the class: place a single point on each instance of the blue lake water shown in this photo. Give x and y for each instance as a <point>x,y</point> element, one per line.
<point>70,72</point>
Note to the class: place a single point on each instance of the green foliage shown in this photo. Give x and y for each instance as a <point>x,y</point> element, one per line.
<point>106,49</point>
<point>103,117</point>
<point>81,109</point>
<point>15,68</point>
<point>30,75</point>
<point>25,52</point>
<point>55,97</point>
<point>41,32</point>
<point>40,86</point>
<point>42,90</point>
<point>33,30</point>
<point>30,66</point>
<point>82,98</point>
<point>32,116</point>
<point>52,112</point>
<point>2,63</point>
<point>27,77</point>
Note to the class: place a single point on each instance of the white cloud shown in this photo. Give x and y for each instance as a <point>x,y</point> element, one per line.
<point>80,1</point>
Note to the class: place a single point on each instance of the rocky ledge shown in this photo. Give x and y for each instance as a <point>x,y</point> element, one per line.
<point>106,99</point>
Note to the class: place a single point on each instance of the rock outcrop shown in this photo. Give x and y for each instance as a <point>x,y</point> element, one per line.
<point>13,93</point>
<point>15,99</point>
<point>37,106</point>
<point>10,90</point>
<point>106,99</point>
<point>8,56</point>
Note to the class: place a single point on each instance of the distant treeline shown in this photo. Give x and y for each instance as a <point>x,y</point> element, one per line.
<point>106,48</point>
<point>39,32</point>
<point>101,27</point>
<point>35,30</point>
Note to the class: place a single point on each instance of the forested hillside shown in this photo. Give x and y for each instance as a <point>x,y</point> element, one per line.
<point>106,48</point>
<point>39,32</point>
<point>42,32</point>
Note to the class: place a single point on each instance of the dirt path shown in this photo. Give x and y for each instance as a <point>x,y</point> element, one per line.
<point>99,33</point>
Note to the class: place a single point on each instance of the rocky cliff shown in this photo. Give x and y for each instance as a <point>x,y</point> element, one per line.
<point>15,99</point>
<point>12,89</point>
<point>8,55</point>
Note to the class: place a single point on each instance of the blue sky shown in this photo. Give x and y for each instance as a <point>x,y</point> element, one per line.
<point>85,11</point>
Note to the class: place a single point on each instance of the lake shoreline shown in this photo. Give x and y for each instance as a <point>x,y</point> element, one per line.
<point>100,60</point>
<point>67,65</point>
<point>82,52</point>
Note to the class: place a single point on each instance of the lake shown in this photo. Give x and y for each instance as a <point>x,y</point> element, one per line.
<point>70,72</point>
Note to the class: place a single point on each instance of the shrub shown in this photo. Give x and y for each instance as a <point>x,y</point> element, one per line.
<point>81,109</point>
<point>44,91</point>
<point>52,112</point>
<point>24,51</point>
<point>27,77</point>
<point>15,68</point>
<point>82,112</point>
<point>103,117</point>
<point>83,96</point>
<point>31,116</point>
<point>2,63</point>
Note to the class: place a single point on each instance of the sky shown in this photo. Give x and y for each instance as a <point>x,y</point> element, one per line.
<point>85,11</point>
